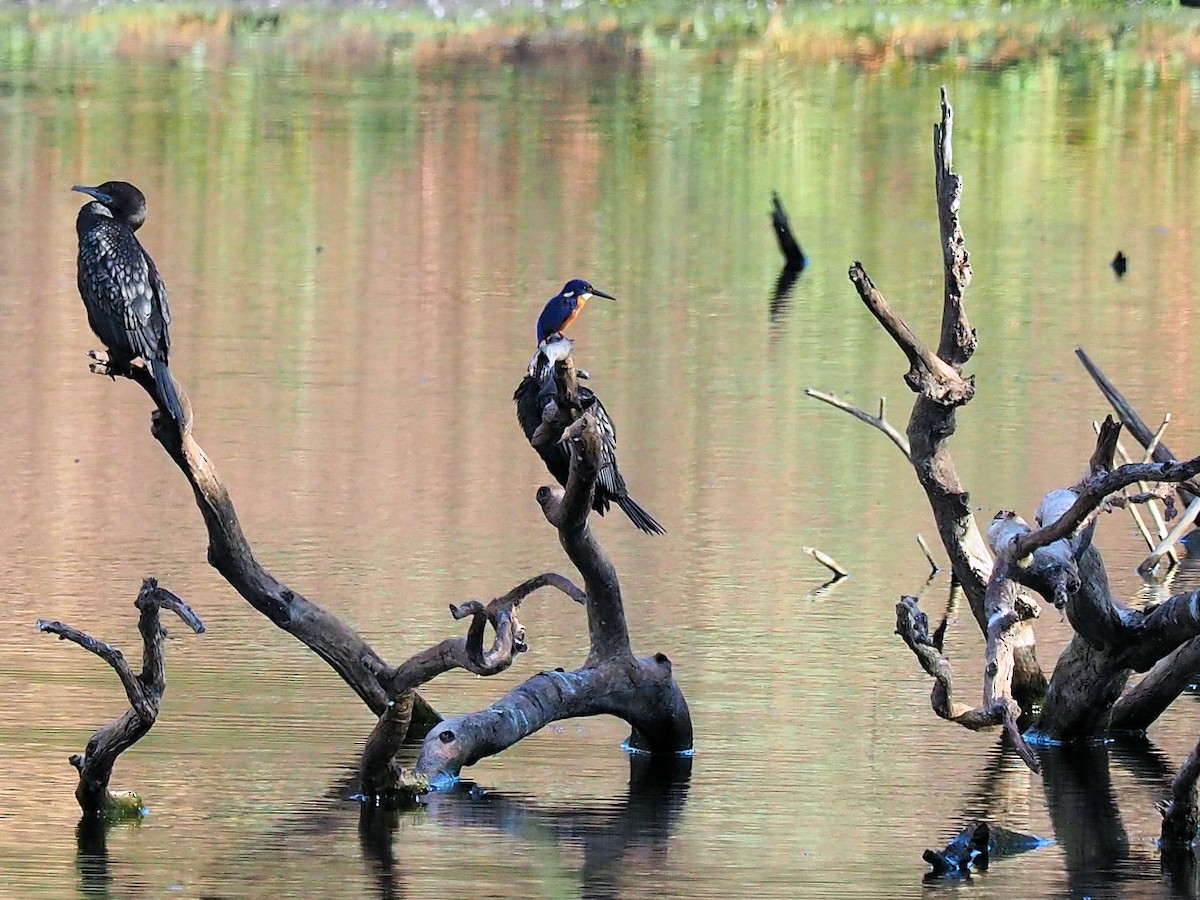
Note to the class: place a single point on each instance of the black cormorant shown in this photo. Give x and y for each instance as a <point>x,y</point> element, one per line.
<point>535,391</point>
<point>124,295</point>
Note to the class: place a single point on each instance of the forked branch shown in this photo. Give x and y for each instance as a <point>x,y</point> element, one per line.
<point>144,691</point>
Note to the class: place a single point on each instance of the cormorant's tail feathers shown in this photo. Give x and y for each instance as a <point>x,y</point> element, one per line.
<point>638,516</point>
<point>168,397</point>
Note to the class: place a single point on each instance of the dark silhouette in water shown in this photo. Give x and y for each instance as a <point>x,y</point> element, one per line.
<point>1120,264</point>
<point>125,297</point>
<point>535,391</point>
<point>794,260</point>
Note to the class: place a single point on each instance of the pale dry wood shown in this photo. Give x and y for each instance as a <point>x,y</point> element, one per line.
<point>880,421</point>
<point>1166,546</point>
<point>827,561</point>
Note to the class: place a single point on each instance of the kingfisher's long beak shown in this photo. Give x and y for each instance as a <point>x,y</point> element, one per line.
<point>93,192</point>
<point>599,293</point>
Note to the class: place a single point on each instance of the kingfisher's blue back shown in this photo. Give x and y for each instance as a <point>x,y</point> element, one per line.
<point>556,315</point>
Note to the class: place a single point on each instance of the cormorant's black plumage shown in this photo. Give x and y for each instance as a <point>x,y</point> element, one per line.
<point>531,396</point>
<point>122,291</point>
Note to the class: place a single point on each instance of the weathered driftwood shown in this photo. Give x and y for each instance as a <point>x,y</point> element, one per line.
<point>382,777</point>
<point>1086,695</point>
<point>612,680</point>
<point>387,690</point>
<point>145,693</point>
<point>937,379</point>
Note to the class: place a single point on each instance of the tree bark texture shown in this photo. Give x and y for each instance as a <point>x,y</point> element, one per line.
<point>144,690</point>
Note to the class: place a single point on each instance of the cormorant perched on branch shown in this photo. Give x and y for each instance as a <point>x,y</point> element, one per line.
<point>125,298</point>
<point>536,391</point>
<point>564,308</point>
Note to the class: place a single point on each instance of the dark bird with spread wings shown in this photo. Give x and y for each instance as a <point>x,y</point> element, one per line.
<point>124,295</point>
<point>532,396</point>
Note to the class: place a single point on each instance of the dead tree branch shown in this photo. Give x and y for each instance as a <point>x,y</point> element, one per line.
<point>880,421</point>
<point>388,691</point>
<point>941,388</point>
<point>1094,490</point>
<point>1134,423</point>
<point>612,681</point>
<point>793,256</point>
<point>144,691</point>
<point>381,776</point>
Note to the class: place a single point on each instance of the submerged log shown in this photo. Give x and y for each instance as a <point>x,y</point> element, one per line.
<point>144,691</point>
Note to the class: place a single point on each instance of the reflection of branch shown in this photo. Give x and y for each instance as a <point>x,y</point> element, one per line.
<point>615,837</point>
<point>144,691</point>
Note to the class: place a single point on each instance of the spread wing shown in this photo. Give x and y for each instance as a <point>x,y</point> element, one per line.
<point>125,294</point>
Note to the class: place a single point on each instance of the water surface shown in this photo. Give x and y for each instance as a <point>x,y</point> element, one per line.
<point>356,254</point>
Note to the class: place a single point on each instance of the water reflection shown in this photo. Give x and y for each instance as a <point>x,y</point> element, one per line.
<point>617,839</point>
<point>91,860</point>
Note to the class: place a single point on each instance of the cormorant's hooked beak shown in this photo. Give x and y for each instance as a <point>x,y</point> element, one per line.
<point>595,292</point>
<point>93,192</point>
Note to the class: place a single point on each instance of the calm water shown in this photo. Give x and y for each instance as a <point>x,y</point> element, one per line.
<point>357,253</point>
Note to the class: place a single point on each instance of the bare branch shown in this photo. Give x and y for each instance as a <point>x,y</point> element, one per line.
<point>231,555</point>
<point>928,374</point>
<point>1129,416</point>
<point>1164,547</point>
<point>145,692</point>
<point>958,340</point>
<point>1092,494</point>
<point>827,561</point>
<point>879,421</point>
<point>934,568</point>
<point>111,655</point>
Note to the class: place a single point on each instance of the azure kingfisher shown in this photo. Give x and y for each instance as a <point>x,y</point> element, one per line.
<point>562,309</point>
